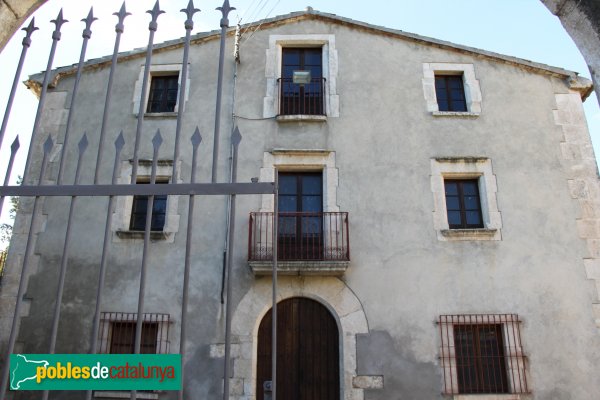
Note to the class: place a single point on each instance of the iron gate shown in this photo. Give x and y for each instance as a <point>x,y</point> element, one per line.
<point>38,184</point>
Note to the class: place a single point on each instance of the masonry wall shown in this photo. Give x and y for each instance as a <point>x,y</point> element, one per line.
<point>402,276</point>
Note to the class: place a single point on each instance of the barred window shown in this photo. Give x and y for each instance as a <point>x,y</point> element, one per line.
<point>482,354</point>
<point>117,333</point>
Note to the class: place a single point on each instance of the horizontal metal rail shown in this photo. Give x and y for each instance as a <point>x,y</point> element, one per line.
<point>302,236</point>
<point>301,99</point>
<point>192,189</point>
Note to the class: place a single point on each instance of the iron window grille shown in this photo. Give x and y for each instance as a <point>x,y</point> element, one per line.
<point>140,206</point>
<point>450,93</point>
<point>463,203</point>
<point>117,333</point>
<point>163,93</point>
<point>482,354</point>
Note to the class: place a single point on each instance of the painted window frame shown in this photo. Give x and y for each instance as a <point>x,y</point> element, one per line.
<point>470,84</point>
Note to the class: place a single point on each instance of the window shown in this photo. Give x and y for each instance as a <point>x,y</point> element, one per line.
<point>123,338</point>
<point>301,83</point>
<point>117,333</point>
<point>451,90</point>
<point>464,199</point>
<point>463,204</point>
<point>139,211</point>
<point>301,216</point>
<point>450,93</point>
<point>163,94</point>
<point>482,354</point>
<point>315,100</point>
<point>129,219</point>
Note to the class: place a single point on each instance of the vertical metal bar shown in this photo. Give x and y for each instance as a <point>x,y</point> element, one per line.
<point>59,21</point>
<point>13,152</point>
<point>189,25</point>
<point>155,12</point>
<point>87,34</point>
<point>119,143</point>
<point>236,137</point>
<point>225,9</point>
<point>156,142</point>
<point>13,90</point>
<point>196,140</point>
<point>24,273</point>
<point>83,143</point>
<point>274,290</point>
<point>524,388</point>
<point>113,66</point>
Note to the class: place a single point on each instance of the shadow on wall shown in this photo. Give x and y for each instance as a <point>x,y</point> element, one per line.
<point>378,354</point>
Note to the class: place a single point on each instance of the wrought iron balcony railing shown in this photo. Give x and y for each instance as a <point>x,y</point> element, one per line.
<point>301,99</point>
<point>302,236</point>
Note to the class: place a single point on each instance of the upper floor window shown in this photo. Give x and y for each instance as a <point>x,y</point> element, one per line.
<point>450,93</point>
<point>163,94</point>
<point>464,199</point>
<point>140,209</point>
<point>451,90</point>
<point>301,78</point>
<point>463,203</point>
<point>301,83</point>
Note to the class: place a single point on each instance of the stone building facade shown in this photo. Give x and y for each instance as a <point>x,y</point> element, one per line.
<point>440,226</point>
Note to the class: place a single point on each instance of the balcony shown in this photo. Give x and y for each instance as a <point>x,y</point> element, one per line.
<point>308,243</point>
<point>301,102</point>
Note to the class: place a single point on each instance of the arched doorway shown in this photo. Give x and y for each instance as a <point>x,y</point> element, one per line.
<point>307,351</point>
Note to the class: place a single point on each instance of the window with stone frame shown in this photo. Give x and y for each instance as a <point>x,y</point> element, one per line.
<point>464,199</point>
<point>117,333</point>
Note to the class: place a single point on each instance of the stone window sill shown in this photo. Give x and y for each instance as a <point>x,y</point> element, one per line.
<point>464,114</point>
<point>124,395</point>
<point>308,267</point>
<point>470,234</point>
<point>301,118</point>
<point>161,115</point>
<point>487,397</point>
<point>154,235</point>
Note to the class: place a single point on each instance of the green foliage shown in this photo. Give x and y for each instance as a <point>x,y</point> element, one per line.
<point>7,228</point>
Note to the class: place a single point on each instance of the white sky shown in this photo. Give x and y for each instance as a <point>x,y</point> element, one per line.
<point>521,28</point>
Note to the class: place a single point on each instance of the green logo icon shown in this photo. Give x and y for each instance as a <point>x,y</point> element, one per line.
<point>95,371</point>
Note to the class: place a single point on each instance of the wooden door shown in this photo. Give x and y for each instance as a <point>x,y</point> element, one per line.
<point>307,352</point>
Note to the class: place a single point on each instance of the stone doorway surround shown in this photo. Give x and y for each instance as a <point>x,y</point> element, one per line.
<point>329,291</point>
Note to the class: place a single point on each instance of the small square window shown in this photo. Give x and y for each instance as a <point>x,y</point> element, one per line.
<point>450,93</point>
<point>463,203</point>
<point>140,208</point>
<point>163,94</point>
